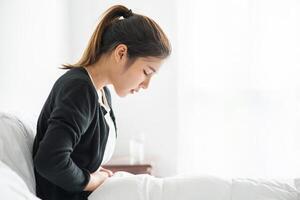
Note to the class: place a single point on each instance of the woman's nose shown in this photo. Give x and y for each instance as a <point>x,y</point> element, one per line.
<point>145,83</point>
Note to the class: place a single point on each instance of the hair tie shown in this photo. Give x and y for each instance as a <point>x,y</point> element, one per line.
<point>128,13</point>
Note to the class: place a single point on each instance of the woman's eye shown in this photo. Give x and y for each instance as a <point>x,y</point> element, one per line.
<point>147,74</point>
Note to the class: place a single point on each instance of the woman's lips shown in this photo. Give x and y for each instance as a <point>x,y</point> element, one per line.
<point>132,91</point>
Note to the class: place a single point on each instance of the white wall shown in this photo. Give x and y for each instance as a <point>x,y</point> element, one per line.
<point>243,82</point>
<point>37,36</point>
<point>34,42</point>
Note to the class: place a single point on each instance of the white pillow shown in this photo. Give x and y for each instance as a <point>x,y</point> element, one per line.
<point>16,141</point>
<point>12,186</point>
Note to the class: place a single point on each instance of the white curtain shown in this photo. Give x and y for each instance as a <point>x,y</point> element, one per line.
<point>239,88</point>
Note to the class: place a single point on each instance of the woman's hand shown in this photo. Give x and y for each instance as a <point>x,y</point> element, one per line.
<point>109,172</point>
<point>96,179</point>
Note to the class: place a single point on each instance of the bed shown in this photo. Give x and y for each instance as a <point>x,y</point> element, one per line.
<point>17,177</point>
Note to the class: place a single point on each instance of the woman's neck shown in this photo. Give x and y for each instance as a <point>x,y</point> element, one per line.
<point>99,72</point>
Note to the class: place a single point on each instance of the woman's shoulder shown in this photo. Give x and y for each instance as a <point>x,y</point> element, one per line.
<point>75,74</point>
<point>74,80</point>
<point>73,77</point>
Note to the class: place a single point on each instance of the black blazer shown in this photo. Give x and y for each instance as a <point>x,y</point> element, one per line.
<point>71,137</point>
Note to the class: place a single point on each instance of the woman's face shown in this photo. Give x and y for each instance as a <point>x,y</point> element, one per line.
<point>130,79</point>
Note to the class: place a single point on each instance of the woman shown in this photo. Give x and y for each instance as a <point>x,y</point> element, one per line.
<point>76,129</point>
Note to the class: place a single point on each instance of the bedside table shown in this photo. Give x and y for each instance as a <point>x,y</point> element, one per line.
<point>134,169</point>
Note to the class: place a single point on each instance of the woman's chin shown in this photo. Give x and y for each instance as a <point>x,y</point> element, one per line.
<point>122,93</point>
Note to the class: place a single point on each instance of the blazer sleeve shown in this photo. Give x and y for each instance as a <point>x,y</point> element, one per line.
<point>72,113</point>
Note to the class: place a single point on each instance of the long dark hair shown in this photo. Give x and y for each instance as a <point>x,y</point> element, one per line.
<point>142,36</point>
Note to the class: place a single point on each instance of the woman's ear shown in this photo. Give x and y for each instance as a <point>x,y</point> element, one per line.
<point>120,53</point>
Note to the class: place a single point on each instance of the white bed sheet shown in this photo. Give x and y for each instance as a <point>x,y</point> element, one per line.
<point>124,185</point>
